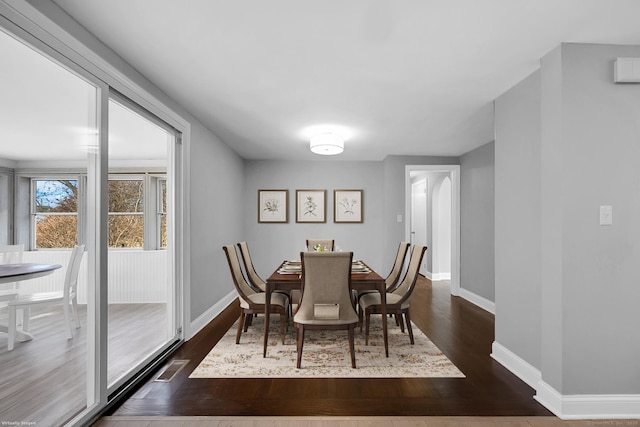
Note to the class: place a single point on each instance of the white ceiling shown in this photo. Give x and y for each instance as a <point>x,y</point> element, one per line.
<point>405,77</point>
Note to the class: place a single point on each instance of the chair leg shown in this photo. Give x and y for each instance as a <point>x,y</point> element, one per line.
<point>76,316</point>
<point>367,317</point>
<point>360,317</point>
<point>66,308</point>
<point>26,317</point>
<point>282,324</point>
<point>401,320</point>
<point>300,343</point>
<point>352,349</point>
<point>406,315</point>
<point>12,327</point>
<point>240,325</point>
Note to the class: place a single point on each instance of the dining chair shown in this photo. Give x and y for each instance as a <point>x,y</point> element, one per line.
<point>324,244</point>
<point>67,297</point>
<point>10,254</point>
<point>398,300</point>
<point>255,281</point>
<point>393,278</point>
<point>326,297</point>
<point>251,301</point>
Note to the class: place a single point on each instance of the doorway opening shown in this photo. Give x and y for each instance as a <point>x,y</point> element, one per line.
<point>433,219</point>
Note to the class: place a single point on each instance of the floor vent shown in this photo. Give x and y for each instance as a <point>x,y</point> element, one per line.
<point>171,370</point>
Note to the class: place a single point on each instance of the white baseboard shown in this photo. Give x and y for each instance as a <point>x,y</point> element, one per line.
<point>206,317</point>
<point>481,302</point>
<point>585,406</point>
<point>514,363</point>
<point>438,276</point>
<point>568,407</point>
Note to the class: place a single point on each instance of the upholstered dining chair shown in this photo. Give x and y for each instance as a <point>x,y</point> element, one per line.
<point>67,297</point>
<point>252,302</point>
<point>325,244</point>
<point>255,281</point>
<point>326,297</point>
<point>398,300</point>
<point>393,278</point>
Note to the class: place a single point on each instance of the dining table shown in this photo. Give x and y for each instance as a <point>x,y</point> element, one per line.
<point>288,277</point>
<point>10,273</point>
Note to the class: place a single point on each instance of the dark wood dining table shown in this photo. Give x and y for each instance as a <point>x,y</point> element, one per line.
<point>360,281</point>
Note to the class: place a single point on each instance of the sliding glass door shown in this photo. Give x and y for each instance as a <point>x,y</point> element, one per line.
<point>141,286</point>
<point>82,165</point>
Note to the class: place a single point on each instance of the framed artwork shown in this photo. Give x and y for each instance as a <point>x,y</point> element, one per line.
<point>347,206</point>
<point>272,206</point>
<point>310,205</point>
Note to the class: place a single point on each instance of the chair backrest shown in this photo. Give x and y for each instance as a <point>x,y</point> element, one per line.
<point>73,268</point>
<point>11,254</point>
<point>326,279</point>
<point>325,244</point>
<point>411,277</point>
<point>254,280</point>
<point>393,279</point>
<point>242,287</point>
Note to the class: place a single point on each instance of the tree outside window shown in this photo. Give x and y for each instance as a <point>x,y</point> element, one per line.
<point>56,213</point>
<point>126,209</point>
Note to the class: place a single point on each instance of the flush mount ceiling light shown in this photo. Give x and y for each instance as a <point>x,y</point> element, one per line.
<point>327,144</point>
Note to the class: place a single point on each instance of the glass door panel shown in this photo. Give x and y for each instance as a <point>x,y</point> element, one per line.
<point>141,319</point>
<point>48,136</point>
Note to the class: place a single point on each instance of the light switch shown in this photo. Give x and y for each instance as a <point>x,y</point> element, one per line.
<point>399,218</point>
<point>606,215</point>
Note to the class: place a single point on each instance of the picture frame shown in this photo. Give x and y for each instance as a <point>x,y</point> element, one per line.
<point>273,206</point>
<point>311,206</point>
<point>347,206</point>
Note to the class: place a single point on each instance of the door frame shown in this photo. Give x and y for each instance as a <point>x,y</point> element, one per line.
<point>454,171</point>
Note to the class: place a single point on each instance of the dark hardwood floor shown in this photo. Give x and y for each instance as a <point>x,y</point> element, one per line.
<point>461,330</point>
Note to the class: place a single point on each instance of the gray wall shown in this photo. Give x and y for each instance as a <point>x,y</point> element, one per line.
<point>217,180</point>
<point>272,243</point>
<point>477,267</point>
<point>587,286</point>
<point>517,220</point>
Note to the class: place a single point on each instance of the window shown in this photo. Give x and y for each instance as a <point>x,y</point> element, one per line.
<point>55,213</point>
<point>126,213</point>
<point>162,212</point>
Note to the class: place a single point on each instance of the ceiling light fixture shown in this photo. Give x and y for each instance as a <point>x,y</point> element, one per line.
<point>327,144</point>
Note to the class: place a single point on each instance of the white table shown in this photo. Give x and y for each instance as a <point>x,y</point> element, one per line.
<point>15,273</point>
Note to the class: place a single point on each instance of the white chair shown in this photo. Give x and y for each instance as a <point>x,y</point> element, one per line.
<point>67,297</point>
<point>10,254</point>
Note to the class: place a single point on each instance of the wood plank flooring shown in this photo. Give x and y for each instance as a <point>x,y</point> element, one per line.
<point>355,422</point>
<point>43,381</point>
<point>461,330</point>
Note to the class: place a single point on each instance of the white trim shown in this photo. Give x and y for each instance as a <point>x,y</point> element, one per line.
<point>514,363</point>
<point>206,317</point>
<point>588,406</point>
<point>476,299</point>
<point>438,276</point>
<point>455,214</point>
<point>568,407</point>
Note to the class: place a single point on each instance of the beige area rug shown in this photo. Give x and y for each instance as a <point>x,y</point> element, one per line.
<point>325,355</point>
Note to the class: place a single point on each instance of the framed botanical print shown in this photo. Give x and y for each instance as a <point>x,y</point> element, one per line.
<point>310,205</point>
<point>272,206</point>
<point>347,206</point>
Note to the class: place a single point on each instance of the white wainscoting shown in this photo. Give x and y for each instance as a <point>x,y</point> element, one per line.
<point>135,276</point>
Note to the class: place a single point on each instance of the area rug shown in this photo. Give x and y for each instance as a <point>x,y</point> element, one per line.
<point>325,355</point>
